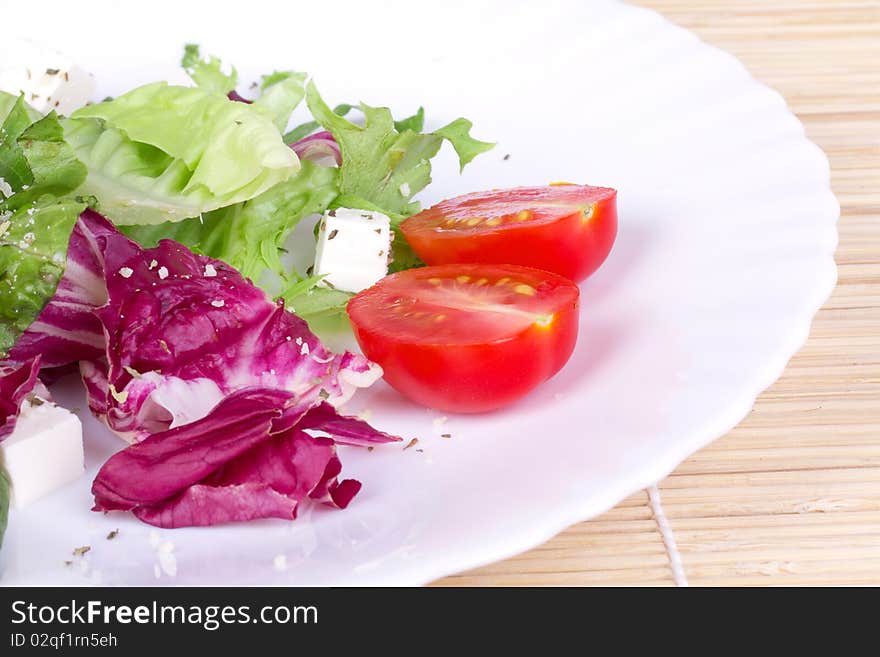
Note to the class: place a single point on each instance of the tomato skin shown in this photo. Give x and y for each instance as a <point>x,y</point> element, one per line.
<point>471,378</point>
<point>562,240</point>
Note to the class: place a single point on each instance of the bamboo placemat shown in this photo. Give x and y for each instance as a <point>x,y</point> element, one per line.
<point>792,495</point>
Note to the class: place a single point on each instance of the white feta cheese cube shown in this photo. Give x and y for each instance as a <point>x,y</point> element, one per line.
<point>353,248</point>
<point>43,452</point>
<point>48,79</point>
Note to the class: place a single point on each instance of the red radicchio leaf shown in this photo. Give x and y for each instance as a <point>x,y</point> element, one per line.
<point>17,383</point>
<point>237,97</point>
<point>162,335</point>
<point>233,465</point>
<point>318,147</point>
<point>180,352</point>
<point>66,330</point>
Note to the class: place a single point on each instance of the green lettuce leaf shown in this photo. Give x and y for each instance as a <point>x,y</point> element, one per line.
<point>165,153</point>
<point>416,122</point>
<point>379,164</point>
<point>14,169</point>
<point>35,221</point>
<point>281,92</point>
<point>33,249</point>
<point>307,128</point>
<point>384,166</point>
<point>8,101</point>
<point>458,134</point>
<point>4,502</point>
<point>207,72</point>
<point>249,235</point>
<point>52,166</point>
<point>309,300</point>
<point>386,163</point>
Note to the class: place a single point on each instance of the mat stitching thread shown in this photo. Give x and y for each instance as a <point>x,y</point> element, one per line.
<point>665,530</point>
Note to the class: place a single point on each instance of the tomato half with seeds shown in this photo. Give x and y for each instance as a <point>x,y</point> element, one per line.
<point>467,338</point>
<point>564,228</point>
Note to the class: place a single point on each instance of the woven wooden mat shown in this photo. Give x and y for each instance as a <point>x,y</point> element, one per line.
<point>792,495</point>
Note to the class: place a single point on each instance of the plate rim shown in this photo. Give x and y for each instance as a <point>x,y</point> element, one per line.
<point>798,334</point>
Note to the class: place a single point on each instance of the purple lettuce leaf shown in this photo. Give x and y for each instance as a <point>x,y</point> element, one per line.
<point>17,384</point>
<point>245,460</point>
<point>237,97</point>
<point>215,384</point>
<point>320,147</point>
<point>344,429</point>
<point>163,335</point>
<point>67,331</point>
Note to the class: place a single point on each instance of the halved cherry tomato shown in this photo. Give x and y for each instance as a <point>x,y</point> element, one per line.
<point>467,338</point>
<point>564,228</point>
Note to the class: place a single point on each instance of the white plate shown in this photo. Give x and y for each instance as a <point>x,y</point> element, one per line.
<point>727,229</point>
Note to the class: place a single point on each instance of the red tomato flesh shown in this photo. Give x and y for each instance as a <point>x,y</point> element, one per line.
<point>563,228</point>
<point>467,338</point>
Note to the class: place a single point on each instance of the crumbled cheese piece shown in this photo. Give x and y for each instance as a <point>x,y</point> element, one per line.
<point>126,272</point>
<point>304,350</point>
<point>353,248</point>
<point>210,271</point>
<point>153,264</point>
<point>218,303</point>
<point>163,273</point>
<point>43,452</point>
<point>48,79</point>
<point>5,188</point>
<point>404,190</point>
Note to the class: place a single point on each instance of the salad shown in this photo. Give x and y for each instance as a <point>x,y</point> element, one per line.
<point>143,245</point>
